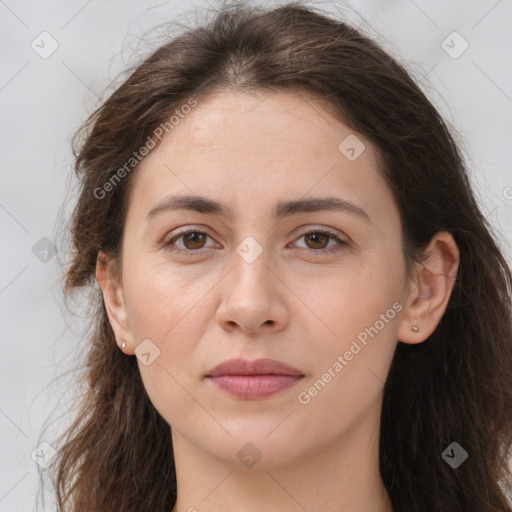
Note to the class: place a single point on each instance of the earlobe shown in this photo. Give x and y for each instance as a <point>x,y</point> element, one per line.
<point>114,301</point>
<point>430,290</point>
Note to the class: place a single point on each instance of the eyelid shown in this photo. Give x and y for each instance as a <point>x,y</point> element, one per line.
<point>340,242</point>
<point>321,229</point>
<point>186,230</point>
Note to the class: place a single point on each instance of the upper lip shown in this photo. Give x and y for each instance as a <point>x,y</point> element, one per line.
<point>262,366</point>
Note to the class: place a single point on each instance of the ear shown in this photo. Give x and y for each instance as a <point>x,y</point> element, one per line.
<point>111,287</point>
<point>430,289</point>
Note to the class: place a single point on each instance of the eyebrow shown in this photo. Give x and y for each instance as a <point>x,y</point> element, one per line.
<point>282,209</point>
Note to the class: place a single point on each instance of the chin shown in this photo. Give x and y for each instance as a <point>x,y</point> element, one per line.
<point>256,446</point>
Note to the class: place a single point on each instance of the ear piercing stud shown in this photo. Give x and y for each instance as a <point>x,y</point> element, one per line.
<point>123,344</point>
<point>415,328</point>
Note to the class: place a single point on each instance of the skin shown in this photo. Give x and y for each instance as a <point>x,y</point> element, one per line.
<point>251,151</point>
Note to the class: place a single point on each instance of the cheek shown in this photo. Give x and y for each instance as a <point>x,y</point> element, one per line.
<point>169,310</point>
<point>359,313</point>
<point>162,302</point>
<point>351,362</point>
<point>354,299</point>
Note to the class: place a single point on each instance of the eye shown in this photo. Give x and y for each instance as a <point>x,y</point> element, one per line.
<point>319,238</point>
<point>193,241</point>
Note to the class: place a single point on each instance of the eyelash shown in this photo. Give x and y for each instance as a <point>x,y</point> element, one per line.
<point>193,252</point>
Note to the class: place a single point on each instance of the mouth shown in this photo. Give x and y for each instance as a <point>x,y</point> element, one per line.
<point>254,379</point>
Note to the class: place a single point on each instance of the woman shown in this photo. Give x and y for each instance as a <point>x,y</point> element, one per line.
<point>300,303</point>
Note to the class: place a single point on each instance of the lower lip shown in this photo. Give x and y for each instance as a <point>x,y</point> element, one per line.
<point>254,386</point>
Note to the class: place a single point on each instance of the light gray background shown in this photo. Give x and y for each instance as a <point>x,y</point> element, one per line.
<point>44,100</point>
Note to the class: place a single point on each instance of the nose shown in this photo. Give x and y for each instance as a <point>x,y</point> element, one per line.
<point>253,297</point>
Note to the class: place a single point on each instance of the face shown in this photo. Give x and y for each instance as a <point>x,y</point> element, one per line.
<point>265,273</point>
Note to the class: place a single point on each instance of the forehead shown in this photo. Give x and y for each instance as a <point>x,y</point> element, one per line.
<point>255,145</point>
<point>257,120</point>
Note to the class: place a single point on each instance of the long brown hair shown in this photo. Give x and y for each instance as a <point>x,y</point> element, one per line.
<point>454,387</point>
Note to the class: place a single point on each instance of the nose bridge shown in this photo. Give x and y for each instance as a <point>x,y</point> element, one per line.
<point>250,299</point>
<point>252,266</point>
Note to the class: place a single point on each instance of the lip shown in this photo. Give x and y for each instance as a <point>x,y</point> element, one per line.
<point>254,379</point>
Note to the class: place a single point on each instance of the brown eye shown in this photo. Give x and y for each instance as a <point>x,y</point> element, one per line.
<point>188,241</point>
<point>319,242</point>
<point>318,239</point>
<point>194,239</point>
